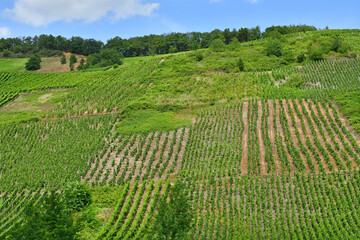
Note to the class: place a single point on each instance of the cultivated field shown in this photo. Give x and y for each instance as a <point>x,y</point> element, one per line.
<point>263,154</point>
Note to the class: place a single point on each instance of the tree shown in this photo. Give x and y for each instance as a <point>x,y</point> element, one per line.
<point>174,215</point>
<point>301,58</point>
<point>316,53</point>
<point>217,45</point>
<point>49,220</point>
<point>72,61</point>
<point>288,56</point>
<point>274,47</point>
<point>76,196</point>
<point>107,57</point>
<point>199,56</point>
<point>81,65</point>
<point>240,64</point>
<point>63,59</point>
<point>6,53</point>
<point>33,63</point>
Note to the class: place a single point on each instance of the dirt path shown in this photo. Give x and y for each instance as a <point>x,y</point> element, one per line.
<point>165,155</point>
<point>281,133</point>
<point>320,138</point>
<point>293,135</point>
<point>157,155</point>
<point>302,134</point>
<point>270,104</point>
<point>259,127</point>
<point>100,166</point>
<point>329,139</point>
<point>311,136</point>
<point>244,160</point>
<point>141,158</point>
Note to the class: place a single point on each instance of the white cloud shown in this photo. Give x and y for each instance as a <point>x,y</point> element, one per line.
<point>4,32</point>
<point>43,12</point>
<point>253,1</point>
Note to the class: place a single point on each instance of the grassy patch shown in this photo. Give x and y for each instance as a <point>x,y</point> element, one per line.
<point>145,121</point>
<point>30,106</point>
<point>12,64</point>
<point>350,106</point>
<point>18,116</point>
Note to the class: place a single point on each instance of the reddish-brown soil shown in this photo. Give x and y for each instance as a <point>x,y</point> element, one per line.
<point>320,138</point>
<point>329,139</point>
<point>281,133</point>
<point>293,134</point>
<point>244,160</point>
<point>302,134</point>
<point>272,136</point>
<point>263,164</point>
<point>53,64</point>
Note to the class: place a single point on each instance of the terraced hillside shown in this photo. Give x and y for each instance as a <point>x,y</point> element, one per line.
<point>262,154</point>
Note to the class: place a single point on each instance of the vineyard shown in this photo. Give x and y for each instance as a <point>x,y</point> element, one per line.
<point>264,155</point>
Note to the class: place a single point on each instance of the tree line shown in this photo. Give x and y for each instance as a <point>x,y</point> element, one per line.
<point>49,45</point>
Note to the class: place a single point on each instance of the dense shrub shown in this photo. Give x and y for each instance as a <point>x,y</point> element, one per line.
<point>33,63</point>
<point>274,47</point>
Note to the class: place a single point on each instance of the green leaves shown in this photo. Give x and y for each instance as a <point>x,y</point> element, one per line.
<point>33,63</point>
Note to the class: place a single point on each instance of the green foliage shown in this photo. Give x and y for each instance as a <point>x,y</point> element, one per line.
<point>301,58</point>
<point>106,57</point>
<point>72,62</point>
<point>240,64</point>
<point>316,53</point>
<point>274,47</point>
<point>13,64</point>
<point>50,220</point>
<point>339,45</point>
<point>350,105</point>
<point>288,56</point>
<point>73,59</point>
<point>217,45</point>
<point>6,53</point>
<point>33,63</point>
<point>174,215</point>
<point>76,196</point>
<point>63,59</point>
<point>81,65</point>
<point>146,121</point>
<point>288,29</point>
<point>199,56</point>
<point>295,81</point>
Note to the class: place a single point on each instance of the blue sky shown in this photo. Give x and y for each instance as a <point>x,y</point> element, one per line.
<point>105,19</point>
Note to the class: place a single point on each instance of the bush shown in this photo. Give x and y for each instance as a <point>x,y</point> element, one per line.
<point>316,54</point>
<point>301,58</point>
<point>81,65</point>
<point>240,64</point>
<point>33,63</point>
<point>76,196</point>
<point>63,59</point>
<point>199,57</point>
<point>295,81</point>
<point>217,45</point>
<point>339,46</point>
<point>288,56</point>
<point>6,53</point>
<point>274,47</point>
<point>116,66</point>
<point>107,57</point>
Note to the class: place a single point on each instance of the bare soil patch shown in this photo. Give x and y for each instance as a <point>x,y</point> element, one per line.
<point>263,164</point>
<point>272,136</point>
<point>244,160</point>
